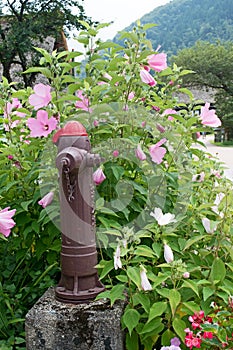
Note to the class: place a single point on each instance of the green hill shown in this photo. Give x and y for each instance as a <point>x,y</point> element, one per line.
<point>183,22</point>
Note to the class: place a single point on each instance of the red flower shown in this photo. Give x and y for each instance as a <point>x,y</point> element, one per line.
<point>208,335</point>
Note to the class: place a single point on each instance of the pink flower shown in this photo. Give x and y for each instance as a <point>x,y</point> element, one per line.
<point>12,108</point>
<point>46,200</point>
<point>117,258</point>
<point>42,96</point>
<point>96,123</point>
<point>169,111</point>
<point>186,274</point>
<point>199,177</point>
<point>6,221</point>
<point>208,335</point>
<point>168,254</point>
<point>107,76</point>
<point>156,108</point>
<point>208,117</point>
<point>216,173</point>
<point>158,62</point>
<point>115,153</point>
<point>83,103</point>
<point>41,125</point>
<point>98,176</point>
<point>147,78</point>
<point>139,153</point>
<point>143,124</point>
<point>160,128</point>
<point>131,95</point>
<point>145,284</point>
<point>157,153</point>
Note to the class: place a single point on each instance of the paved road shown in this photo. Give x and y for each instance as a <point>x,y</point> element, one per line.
<point>224,154</point>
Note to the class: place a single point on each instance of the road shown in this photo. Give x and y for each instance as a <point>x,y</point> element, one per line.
<point>224,154</point>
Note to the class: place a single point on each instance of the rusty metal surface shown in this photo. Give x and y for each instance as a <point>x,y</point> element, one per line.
<point>79,279</point>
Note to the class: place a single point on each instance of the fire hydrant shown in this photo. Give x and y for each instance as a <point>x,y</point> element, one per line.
<point>79,278</point>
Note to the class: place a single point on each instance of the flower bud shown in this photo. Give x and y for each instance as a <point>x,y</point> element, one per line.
<point>168,254</point>
<point>98,176</point>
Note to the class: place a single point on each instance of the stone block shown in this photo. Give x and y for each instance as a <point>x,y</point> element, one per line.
<point>52,325</point>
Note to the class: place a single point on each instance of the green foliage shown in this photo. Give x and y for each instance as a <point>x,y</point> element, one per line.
<point>27,24</point>
<point>160,294</point>
<point>181,23</point>
<point>213,67</point>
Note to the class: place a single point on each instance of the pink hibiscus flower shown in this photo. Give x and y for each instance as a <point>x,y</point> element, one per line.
<point>147,78</point>
<point>168,112</point>
<point>156,152</point>
<point>83,103</point>
<point>6,221</point>
<point>98,176</point>
<point>208,116</point>
<point>46,200</point>
<point>139,153</point>
<point>41,125</point>
<point>158,62</point>
<point>41,97</point>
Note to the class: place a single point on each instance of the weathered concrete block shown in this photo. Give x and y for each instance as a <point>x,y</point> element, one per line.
<point>51,325</point>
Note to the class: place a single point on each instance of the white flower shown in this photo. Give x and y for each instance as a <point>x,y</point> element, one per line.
<point>168,254</point>
<point>162,219</point>
<point>145,284</point>
<point>217,201</point>
<point>210,226</point>
<point>219,198</point>
<point>117,258</point>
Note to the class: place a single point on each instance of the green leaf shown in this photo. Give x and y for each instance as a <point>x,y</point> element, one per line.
<point>84,24</point>
<point>131,318</point>
<point>218,271</point>
<point>143,299</point>
<point>186,92</point>
<point>117,293</point>
<point>166,337</point>
<point>132,341</point>
<point>179,327</point>
<point>174,300</point>
<point>145,251</point>
<point>133,274</point>
<point>192,285</point>
<point>25,205</point>
<point>157,309</point>
<point>148,26</point>
<point>45,71</point>
<point>193,240</point>
<point>152,326</point>
<point>207,292</point>
<point>190,306</point>
<point>106,266</point>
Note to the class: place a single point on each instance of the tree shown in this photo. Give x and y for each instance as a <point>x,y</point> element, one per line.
<point>213,67</point>
<point>27,23</point>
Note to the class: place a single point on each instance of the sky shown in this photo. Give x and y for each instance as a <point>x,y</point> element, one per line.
<point>121,12</point>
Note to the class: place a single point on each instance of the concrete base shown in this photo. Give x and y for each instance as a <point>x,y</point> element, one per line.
<point>51,325</point>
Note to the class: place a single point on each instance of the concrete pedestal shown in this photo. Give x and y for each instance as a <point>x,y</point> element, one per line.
<point>51,325</point>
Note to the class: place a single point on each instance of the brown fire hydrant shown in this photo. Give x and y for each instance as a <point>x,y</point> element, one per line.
<point>79,279</point>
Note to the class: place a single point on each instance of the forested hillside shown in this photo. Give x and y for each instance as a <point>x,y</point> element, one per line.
<point>183,22</point>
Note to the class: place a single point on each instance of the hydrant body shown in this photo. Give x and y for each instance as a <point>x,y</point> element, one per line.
<point>79,279</point>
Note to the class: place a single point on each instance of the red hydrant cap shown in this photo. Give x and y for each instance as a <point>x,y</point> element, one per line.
<point>72,128</point>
